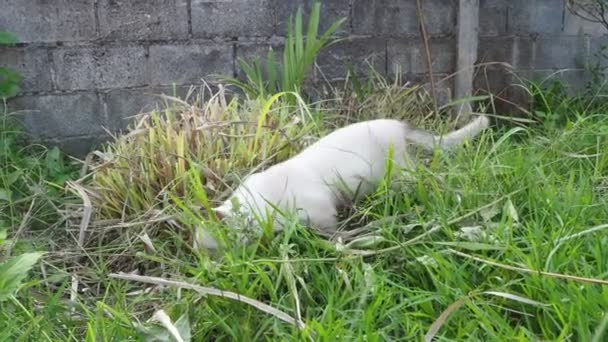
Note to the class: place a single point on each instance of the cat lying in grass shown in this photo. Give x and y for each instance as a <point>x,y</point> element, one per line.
<point>312,184</point>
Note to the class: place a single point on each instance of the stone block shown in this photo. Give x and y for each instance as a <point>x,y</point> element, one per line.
<point>509,97</point>
<point>331,11</point>
<point>535,16</point>
<point>443,85</point>
<point>496,49</point>
<point>122,105</point>
<point>188,64</point>
<point>49,21</point>
<point>399,17</point>
<point>494,80</point>
<point>515,51</point>
<point>560,53</point>
<point>76,68</point>
<point>56,116</point>
<point>103,67</point>
<point>574,24</point>
<point>410,56</point>
<point>257,50</point>
<point>492,17</point>
<point>524,52</point>
<point>598,51</point>
<point>191,93</point>
<point>359,54</point>
<point>32,63</point>
<point>78,147</point>
<point>228,18</point>
<point>143,19</point>
<point>572,79</point>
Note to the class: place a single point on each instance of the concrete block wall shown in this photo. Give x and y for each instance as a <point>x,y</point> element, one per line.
<point>90,64</point>
<point>539,38</point>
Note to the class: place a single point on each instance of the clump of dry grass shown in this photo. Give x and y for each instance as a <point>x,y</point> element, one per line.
<point>375,96</point>
<point>217,138</point>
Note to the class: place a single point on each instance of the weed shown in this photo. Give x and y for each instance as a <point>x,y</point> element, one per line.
<point>500,239</point>
<point>219,140</point>
<point>31,192</point>
<point>299,55</point>
<point>9,79</point>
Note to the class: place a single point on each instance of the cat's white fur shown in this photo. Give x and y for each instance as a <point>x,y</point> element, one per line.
<point>311,184</point>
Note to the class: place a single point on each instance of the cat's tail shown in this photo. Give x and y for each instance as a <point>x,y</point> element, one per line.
<point>445,142</point>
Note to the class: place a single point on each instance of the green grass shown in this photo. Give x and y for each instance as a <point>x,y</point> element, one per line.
<point>532,196</point>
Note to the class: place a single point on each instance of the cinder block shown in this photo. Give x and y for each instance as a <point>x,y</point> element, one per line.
<point>143,19</point>
<point>496,49</point>
<point>410,56</point>
<point>48,21</point>
<point>76,68</point>
<point>188,64</point>
<point>103,67</point>
<point>524,52</point>
<point>535,16</point>
<point>78,147</point>
<point>399,17</point>
<point>492,17</point>
<point>32,63</point>
<point>122,105</point>
<point>191,93</point>
<point>331,11</point>
<point>509,95</point>
<point>574,24</point>
<point>55,116</point>
<point>492,80</point>
<point>250,51</point>
<point>572,79</point>
<point>560,53</point>
<point>359,54</point>
<point>443,85</point>
<point>232,18</point>
<point>518,52</point>
<point>598,54</point>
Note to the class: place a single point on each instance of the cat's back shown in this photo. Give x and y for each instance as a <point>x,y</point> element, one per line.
<point>365,132</point>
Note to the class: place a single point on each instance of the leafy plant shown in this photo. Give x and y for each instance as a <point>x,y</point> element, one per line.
<point>27,172</point>
<point>9,79</point>
<point>14,270</point>
<point>554,104</point>
<point>299,55</point>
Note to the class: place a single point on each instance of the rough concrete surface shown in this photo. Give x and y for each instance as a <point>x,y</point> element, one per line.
<point>91,64</point>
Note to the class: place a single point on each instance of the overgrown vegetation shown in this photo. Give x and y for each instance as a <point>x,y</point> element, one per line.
<point>31,189</point>
<point>502,239</point>
<point>9,79</point>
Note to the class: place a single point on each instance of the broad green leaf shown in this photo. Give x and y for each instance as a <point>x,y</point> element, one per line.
<point>5,195</point>
<point>14,270</point>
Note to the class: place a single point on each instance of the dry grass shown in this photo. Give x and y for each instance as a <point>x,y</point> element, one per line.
<point>217,138</point>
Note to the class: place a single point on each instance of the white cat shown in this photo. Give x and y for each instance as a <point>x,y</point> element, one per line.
<point>311,184</point>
